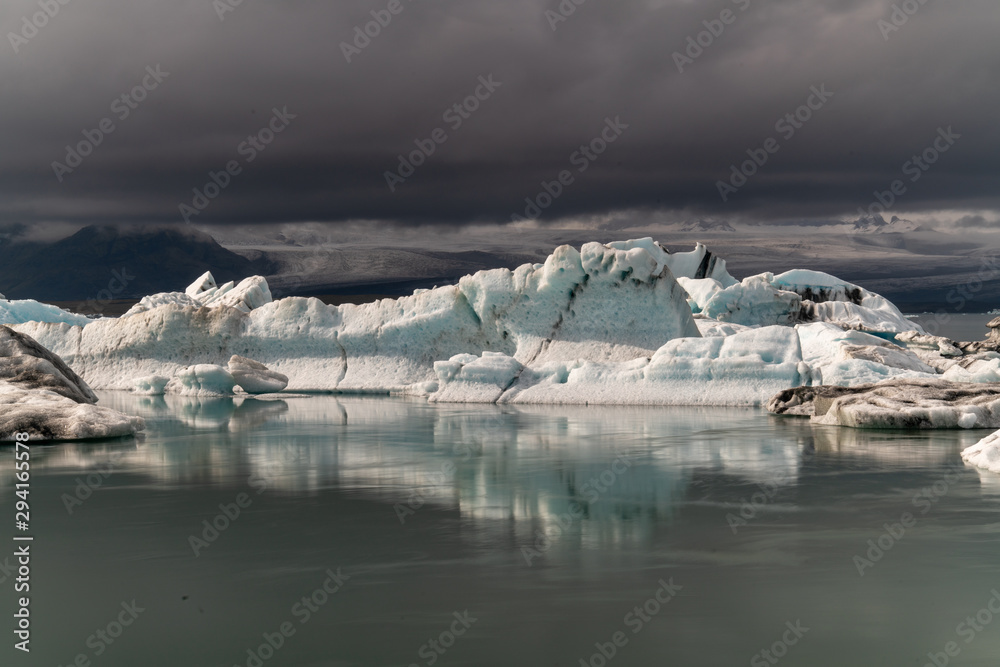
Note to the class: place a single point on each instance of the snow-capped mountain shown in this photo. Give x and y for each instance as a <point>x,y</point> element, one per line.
<point>876,224</point>
<point>706,226</point>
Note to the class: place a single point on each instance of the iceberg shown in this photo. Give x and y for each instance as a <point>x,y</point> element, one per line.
<point>41,396</point>
<point>619,323</point>
<point>896,403</point>
<point>985,454</point>
<point>826,298</point>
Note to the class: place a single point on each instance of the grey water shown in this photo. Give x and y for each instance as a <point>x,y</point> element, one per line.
<point>484,535</point>
<point>956,326</point>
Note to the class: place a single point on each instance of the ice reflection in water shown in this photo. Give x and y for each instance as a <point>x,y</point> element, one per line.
<point>489,481</point>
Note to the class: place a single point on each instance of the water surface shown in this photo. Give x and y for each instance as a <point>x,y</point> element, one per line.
<point>547,525</point>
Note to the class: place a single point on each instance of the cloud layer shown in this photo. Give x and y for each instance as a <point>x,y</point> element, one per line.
<point>559,75</point>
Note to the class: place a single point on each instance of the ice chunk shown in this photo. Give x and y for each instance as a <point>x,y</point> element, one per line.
<point>975,370</point>
<point>249,294</point>
<point>17,312</point>
<point>466,378</point>
<point>162,299</point>
<point>203,380</point>
<point>700,291</point>
<point>984,454</point>
<point>203,284</point>
<point>754,301</point>
<point>852,357</point>
<point>26,365</point>
<point>831,299</point>
<point>254,377</point>
<point>41,396</point>
<point>700,263</point>
<point>46,415</point>
<point>150,385</point>
<point>900,403</point>
<point>915,339</point>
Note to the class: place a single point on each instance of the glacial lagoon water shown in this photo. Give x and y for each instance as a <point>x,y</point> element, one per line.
<point>483,535</point>
<point>957,326</point>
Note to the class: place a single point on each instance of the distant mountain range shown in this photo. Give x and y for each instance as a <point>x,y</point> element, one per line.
<point>706,226</point>
<point>876,224</point>
<point>104,262</point>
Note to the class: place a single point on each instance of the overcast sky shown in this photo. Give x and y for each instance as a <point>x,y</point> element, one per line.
<point>559,80</point>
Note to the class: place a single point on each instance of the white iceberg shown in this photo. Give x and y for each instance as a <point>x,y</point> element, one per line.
<point>150,385</point>
<point>984,454</point>
<point>608,323</point>
<point>203,380</point>
<point>827,298</point>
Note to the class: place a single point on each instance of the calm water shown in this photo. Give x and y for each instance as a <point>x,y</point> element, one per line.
<point>436,510</point>
<point>956,326</point>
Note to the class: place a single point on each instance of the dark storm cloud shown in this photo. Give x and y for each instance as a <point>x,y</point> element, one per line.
<point>221,79</point>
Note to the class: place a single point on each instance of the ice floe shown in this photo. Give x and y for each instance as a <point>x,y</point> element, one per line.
<point>896,403</point>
